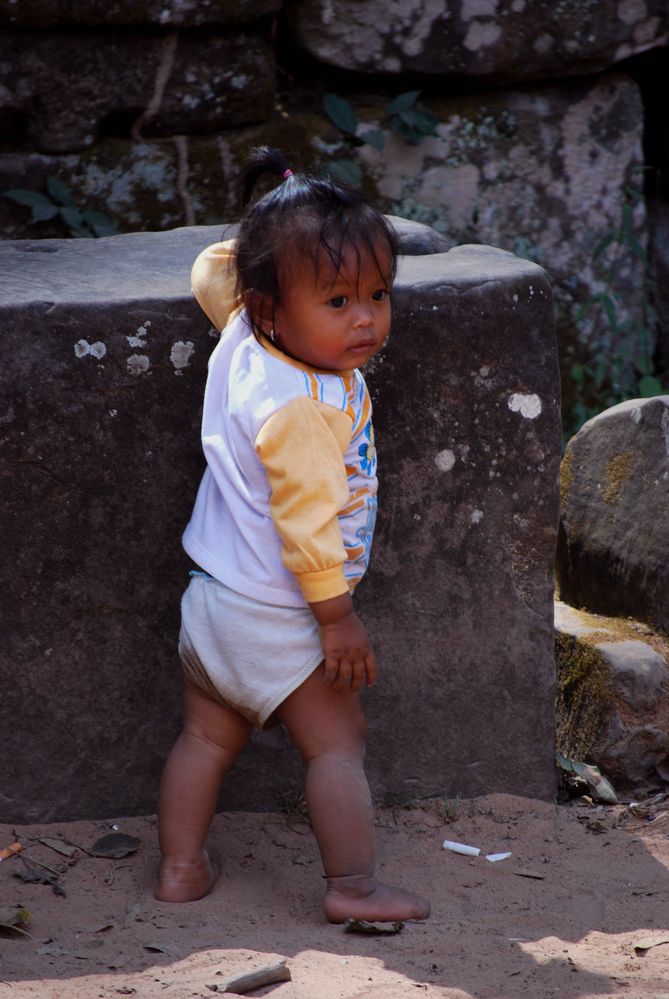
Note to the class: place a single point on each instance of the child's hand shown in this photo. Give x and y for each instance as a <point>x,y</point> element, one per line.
<point>349,659</point>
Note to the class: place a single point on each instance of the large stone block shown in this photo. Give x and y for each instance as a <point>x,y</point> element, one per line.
<point>68,83</point>
<point>613,555</point>
<point>145,13</point>
<point>504,39</point>
<point>613,696</point>
<point>105,361</point>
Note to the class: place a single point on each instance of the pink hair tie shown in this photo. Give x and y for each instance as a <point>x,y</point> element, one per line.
<point>287,173</point>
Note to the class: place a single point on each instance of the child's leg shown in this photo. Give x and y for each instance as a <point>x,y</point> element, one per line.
<point>212,737</point>
<point>328,727</point>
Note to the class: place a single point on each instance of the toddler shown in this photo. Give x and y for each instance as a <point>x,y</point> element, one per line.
<point>282,528</point>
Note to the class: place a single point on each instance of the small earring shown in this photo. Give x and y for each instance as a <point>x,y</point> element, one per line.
<point>272,335</point>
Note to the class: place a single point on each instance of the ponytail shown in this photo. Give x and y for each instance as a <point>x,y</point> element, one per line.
<point>263,160</point>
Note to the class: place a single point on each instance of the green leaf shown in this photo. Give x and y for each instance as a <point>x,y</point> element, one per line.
<point>413,125</point>
<point>340,113</point>
<point>578,374</point>
<point>74,220</point>
<point>375,138</point>
<point>348,171</point>
<point>636,247</point>
<point>405,131</point>
<point>402,102</point>
<point>627,217</point>
<point>649,386</point>
<point>70,215</point>
<point>59,191</point>
<point>609,307</point>
<point>423,121</point>
<point>42,212</point>
<point>31,199</point>
<point>101,224</point>
<point>601,245</point>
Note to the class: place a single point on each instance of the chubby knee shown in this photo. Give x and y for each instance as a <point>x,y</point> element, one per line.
<point>213,724</point>
<point>345,740</point>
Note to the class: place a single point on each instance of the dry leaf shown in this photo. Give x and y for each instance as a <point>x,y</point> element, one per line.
<point>642,946</point>
<point>114,845</point>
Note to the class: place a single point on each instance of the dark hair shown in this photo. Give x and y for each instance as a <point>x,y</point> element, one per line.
<point>302,220</point>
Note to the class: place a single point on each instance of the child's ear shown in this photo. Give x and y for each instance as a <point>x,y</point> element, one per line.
<point>259,307</point>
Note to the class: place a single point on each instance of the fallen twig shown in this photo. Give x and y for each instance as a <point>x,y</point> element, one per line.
<point>269,975</point>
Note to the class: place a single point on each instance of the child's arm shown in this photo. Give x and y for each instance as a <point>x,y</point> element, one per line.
<point>303,455</point>
<point>349,659</point>
<point>214,280</point>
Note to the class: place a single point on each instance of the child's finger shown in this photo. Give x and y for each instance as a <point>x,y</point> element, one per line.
<point>343,681</point>
<point>331,669</point>
<point>358,674</point>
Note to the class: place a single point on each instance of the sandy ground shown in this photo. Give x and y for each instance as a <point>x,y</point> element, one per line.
<point>598,888</point>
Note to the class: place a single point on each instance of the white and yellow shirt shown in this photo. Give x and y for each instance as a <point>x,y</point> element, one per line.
<point>286,508</point>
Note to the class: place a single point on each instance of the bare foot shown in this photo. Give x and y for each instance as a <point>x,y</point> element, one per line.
<point>185,880</point>
<point>362,897</point>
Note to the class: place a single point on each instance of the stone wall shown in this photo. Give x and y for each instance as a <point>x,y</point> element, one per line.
<point>104,361</point>
<point>146,110</point>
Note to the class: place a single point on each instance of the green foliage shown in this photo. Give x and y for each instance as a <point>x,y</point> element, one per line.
<point>618,362</point>
<point>408,121</point>
<point>402,116</point>
<point>80,222</point>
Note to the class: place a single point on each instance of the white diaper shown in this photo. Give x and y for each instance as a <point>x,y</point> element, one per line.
<point>243,653</point>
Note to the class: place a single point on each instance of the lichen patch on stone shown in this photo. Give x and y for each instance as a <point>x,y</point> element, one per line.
<point>528,406</point>
<point>83,348</point>
<point>566,479</point>
<point>481,34</point>
<point>445,460</point>
<point>138,364</point>
<point>181,353</point>
<point>616,474</point>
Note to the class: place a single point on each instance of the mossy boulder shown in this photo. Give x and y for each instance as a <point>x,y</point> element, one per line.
<point>613,552</point>
<point>612,706</point>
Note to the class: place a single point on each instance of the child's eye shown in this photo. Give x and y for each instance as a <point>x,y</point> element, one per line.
<point>338,302</point>
<point>379,295</point>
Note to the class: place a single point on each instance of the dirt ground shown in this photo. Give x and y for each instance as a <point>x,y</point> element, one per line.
<point>562,917</point>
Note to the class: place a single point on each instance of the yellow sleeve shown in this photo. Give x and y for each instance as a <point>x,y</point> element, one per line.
<point>302,447</point>
<point>214,282</point>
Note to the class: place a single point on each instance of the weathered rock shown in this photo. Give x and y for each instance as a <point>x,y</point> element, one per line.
<point>104,364</point>
<point>613,696</point>
<point>418,239</point>
<point>540,171</point>
<point>178,83</point>
<point>138,185</point>
<point>154,184</point>
<point>613,555</point>
<point>504,39</point>
<point>147,13</point>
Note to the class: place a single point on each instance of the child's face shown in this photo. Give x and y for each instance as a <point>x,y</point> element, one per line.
<point>337,320</point>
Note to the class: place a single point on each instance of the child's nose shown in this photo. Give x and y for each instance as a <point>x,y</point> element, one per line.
<point>363,315</point>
